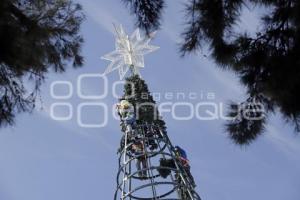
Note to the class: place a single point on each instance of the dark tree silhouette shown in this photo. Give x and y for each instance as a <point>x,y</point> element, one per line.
<point>35,36</point>
<point>148,13</point>
<point>268,64</point>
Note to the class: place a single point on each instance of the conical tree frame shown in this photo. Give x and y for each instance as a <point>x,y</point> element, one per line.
<point>149,130</point>
<point>177,186</point>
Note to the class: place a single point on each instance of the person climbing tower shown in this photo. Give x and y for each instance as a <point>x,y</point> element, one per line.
<point>141,158</point>
<point>126,112</point>
<point>182,157</point>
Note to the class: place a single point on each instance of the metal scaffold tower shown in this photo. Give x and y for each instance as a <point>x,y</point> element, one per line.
<point>141,167</point>
<point>150,167</point>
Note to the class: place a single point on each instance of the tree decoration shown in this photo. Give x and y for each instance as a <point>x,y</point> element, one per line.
<point>129,53</point>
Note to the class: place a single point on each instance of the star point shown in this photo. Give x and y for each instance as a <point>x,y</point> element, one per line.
<point>129,52</point>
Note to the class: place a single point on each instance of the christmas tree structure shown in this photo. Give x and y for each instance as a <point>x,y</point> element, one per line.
<point>150,167</point>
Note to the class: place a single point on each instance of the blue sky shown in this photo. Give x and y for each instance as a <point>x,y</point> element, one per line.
<point>44,159</point>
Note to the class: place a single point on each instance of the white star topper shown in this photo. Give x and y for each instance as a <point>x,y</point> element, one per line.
<point>129,53</point>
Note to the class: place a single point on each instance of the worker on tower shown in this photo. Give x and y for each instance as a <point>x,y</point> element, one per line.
<point>141,158</point>
<point>126,112</point>
<point>182,157</point>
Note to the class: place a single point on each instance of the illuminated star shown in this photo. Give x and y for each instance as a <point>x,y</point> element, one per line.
<point>129,53</point>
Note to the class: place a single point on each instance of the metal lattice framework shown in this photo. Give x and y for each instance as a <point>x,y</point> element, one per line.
<point>145,183</point>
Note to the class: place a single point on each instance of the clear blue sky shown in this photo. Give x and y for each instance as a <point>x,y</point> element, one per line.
<point>43,159</point>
